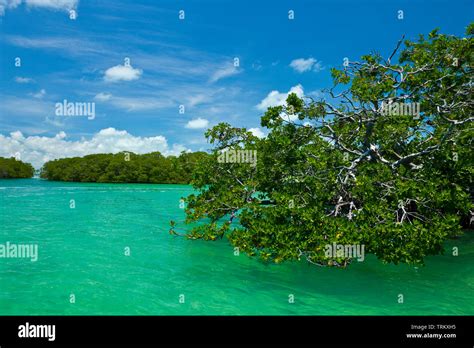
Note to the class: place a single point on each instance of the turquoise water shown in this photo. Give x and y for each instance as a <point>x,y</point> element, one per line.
<point>82,252</point>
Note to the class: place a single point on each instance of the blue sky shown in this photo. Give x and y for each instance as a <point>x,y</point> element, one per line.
<point>177,62</point>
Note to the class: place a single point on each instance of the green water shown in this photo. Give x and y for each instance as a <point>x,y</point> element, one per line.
<point>82,252</point>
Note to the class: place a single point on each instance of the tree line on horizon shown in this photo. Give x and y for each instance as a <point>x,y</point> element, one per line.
<point>124,167</point>
<point>11,168</point>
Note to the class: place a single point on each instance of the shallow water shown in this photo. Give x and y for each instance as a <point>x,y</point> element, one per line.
<point>82,252</point>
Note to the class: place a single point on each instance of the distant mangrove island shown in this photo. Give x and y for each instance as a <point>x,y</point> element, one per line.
<point>11,168</point>
<point>123,167</point>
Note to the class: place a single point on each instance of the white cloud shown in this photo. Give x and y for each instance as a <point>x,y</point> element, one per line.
<point>275,98</point>
<point>16,135</point>
<point>40,94</point>
<point>197,123</point>
<point>56,122</point>
<point>66,5</point>
<point>301,65</point>
<point>39,149</point>
<point>21,107</point>
<point>132,104</point>
<point>65,45</point>
<point>198,99</point>
<point>54,4</point>
<point>102,97</point>
<point>19,79</point>
<point>8,4</point>
<point>257,132</point>
<point>224,72</point>
<point>122,73</point>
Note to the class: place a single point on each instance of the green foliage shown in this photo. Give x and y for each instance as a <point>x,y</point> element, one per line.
<point>125,167</point>
<point>346,171</point>
<point>10,168</point>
